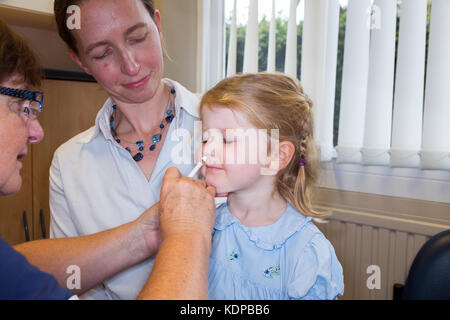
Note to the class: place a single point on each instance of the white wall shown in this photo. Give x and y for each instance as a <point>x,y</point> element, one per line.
<point>179,24</point>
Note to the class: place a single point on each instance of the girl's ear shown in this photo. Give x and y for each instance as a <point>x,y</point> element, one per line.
<point>286,152</point>
<point>280,158</point>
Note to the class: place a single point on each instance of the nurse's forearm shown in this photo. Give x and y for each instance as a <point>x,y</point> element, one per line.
<point>98,256</point>
<point>180,271</point>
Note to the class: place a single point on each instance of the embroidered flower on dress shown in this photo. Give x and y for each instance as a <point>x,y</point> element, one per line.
<point>272,271</point>
<point>233,255</point>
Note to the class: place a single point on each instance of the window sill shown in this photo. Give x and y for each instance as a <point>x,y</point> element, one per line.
<point>411,183</point>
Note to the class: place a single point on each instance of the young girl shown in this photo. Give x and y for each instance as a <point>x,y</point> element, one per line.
<point>265,245</point>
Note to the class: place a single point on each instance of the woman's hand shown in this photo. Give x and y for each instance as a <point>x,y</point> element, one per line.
<point>185,205</point>
<point>186,215</point>
<point>148,230</point>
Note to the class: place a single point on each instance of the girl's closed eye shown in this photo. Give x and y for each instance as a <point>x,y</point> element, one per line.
<point>228,141</point>
<point>205,137</point>
<point>231,136</point>
<point>224,140</point>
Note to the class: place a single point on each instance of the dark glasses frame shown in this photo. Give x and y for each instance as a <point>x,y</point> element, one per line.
<point>37,96</point>
<point>32,112</point>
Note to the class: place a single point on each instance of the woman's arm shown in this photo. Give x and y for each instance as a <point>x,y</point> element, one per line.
<point>186,218</point>
<point>180,270</point>
<point>99,256</point>
<point>186,209</point>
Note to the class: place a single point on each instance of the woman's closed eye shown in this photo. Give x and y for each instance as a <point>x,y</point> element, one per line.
<point>103,55</point>
<point>138,39</point>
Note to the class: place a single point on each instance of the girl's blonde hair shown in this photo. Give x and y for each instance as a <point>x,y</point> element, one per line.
<point>276,101</point>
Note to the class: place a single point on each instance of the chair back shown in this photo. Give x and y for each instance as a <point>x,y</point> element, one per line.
<point>429,275</point>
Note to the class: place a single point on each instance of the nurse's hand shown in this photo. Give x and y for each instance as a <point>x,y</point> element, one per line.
<point>185,205</point>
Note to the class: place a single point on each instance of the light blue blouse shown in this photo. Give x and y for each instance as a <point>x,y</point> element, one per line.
<point>289,259</point>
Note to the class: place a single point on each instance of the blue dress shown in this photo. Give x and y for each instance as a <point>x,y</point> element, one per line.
<point>289,259</point>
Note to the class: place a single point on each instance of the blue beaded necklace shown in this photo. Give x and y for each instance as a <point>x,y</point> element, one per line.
<point>169,115</point>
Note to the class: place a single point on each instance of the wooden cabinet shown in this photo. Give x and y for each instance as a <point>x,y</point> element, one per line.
<point>69,108</point>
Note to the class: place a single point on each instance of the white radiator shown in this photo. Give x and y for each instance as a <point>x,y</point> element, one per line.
<point>364,239</point>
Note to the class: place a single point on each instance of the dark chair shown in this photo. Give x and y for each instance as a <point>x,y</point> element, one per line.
<point>429,275</point>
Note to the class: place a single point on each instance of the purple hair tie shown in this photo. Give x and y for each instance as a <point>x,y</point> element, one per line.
<point>302,162</point>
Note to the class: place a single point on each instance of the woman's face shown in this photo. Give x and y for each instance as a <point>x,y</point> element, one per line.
<point>16,131</point>
<point>119,44</point>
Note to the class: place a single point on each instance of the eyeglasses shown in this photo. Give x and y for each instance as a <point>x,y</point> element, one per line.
<point>30,103</point>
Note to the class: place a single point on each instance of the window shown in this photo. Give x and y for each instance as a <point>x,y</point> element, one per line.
<point>379,83</point>
<point>264,21</point>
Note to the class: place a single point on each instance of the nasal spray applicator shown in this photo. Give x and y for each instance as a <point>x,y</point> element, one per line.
<point>197,167</point>
<point>217,200</point>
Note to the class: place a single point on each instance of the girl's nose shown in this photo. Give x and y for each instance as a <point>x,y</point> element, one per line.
<point>213,151</point>
<point>209,151</point>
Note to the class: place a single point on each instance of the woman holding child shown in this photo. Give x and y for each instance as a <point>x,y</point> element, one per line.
<point>109,174</point>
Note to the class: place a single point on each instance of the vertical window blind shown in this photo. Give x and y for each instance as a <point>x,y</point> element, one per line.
<point>395,98</point>
<point>410,81</point>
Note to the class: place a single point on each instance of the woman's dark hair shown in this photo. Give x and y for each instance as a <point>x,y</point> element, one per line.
<point>60,9</point>
<point>17,58</point>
